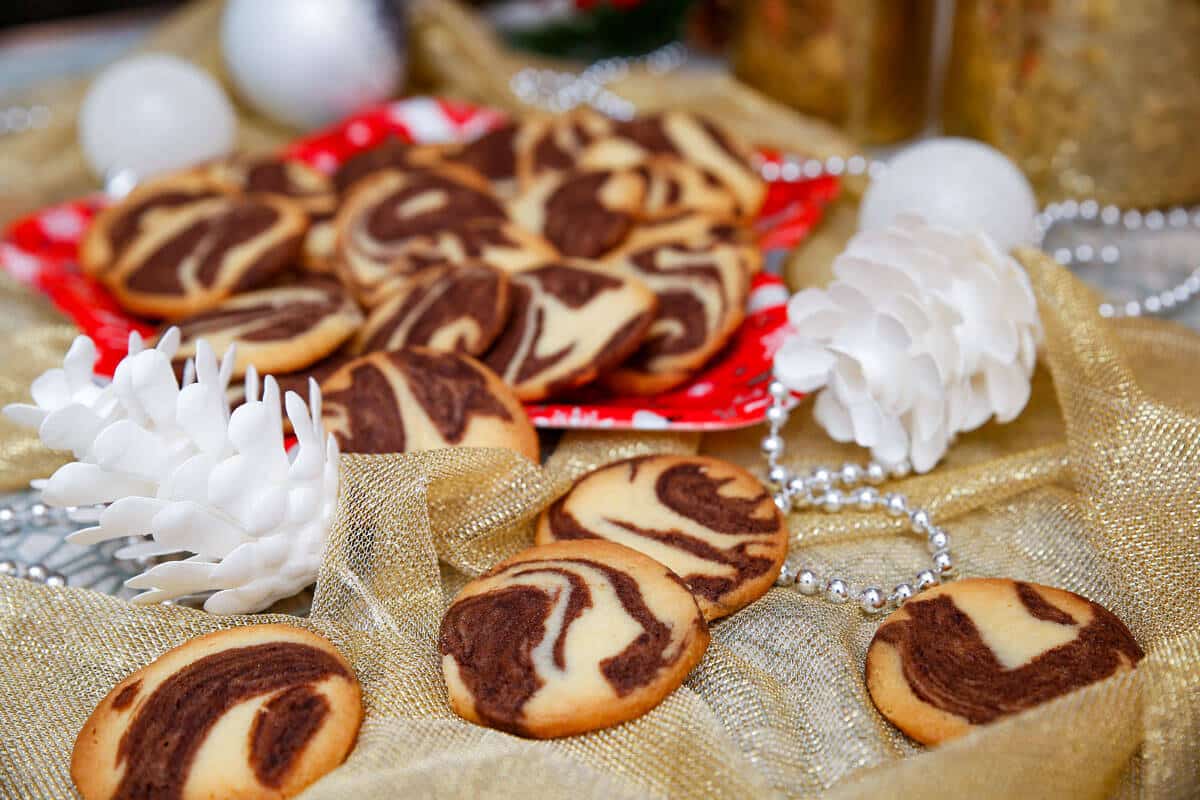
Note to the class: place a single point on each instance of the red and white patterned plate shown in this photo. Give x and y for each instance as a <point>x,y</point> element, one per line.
<point>40,250</point>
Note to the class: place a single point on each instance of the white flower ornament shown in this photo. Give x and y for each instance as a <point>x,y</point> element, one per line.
<point>924,333</point>
<point>174,465</point>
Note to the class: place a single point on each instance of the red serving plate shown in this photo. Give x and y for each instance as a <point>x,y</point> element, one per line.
<point>731,392</point>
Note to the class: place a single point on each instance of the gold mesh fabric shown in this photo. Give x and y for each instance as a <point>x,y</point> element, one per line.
<point>1093,489</point>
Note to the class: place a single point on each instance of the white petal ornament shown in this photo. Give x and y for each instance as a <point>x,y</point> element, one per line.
<point>925,332</point>
<point>173,464</point>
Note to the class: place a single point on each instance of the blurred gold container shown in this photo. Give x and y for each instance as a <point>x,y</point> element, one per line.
<point>1093,98</point>
<point>863,64</point>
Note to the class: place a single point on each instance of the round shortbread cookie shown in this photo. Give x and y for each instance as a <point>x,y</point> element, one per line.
<point>569,637</point>
<point>258,711</point>
<point>582,214</point>
<point>710,521</point>
<point>699,268</point>
<point>117,226</point>
<point>455,309</point>
<point>196,255</point>
<point>419,399</point>
<point>969,652</point>
<point>279,329</point>
<point>396,225</point>
<point>569,323</point>
<point>690,138</point>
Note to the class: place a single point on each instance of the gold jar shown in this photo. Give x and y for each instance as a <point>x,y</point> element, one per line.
<point>1092,98</point>
<point>863,64</point>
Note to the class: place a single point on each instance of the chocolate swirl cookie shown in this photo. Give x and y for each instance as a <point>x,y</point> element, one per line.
<point>555,144</point>
<point>419,399</point>
<point>699,268</point>
<point>569,323</point>
<point>454,309</point>
<point>711,522</point>
<point>197,254</point>
<point>970,652</point>
<point>681,136</point>
<point>569,637</point>
<point>117,226</point>
<point>398,224</point>
<point>279,329</point>
<point>260,711</point>
<point>582,214</point>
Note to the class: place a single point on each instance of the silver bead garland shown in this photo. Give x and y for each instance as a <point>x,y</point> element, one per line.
<point>850,486</point>
<point>35,515</point>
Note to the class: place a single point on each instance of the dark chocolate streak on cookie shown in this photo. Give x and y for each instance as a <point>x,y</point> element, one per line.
<point>577,222</point>
<point>281,730</point>
<point>126,696</point>
<point>276,320</point>
<point>450,389</point>
<point>372,413</point>
<point>472,293</point>
<point>649,133</point>
<point>389,154</point>
<point>548,154</point>
<point>948,665</point>
<point>127,225</point>
<point>491,155</point>
<point>575,288</point>
<point>272,177</point>
<point>460,205</point>
<point>1039,608</point>
<point>207,240</point>
<point>162,740</point>
<point>678,305</point>
<point>687,490</point>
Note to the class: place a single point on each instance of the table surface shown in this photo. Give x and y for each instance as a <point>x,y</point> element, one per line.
<point>1150,261</point>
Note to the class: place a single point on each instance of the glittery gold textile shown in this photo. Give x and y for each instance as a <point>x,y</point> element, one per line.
<point>1093,489</point>
<point>33,338</point>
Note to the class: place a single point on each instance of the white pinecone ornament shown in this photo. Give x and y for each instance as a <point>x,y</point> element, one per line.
<point>924,333</point>
<point>173,464</point>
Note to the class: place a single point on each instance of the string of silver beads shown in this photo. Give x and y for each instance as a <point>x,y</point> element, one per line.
<point>836,490</point>
<point>13,519</point>
<point>791,169</point>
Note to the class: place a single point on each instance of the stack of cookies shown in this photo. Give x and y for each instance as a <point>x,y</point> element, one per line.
<point>546,255</point>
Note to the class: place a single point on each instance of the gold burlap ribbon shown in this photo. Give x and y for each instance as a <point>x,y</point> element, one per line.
<point>1093,488</point>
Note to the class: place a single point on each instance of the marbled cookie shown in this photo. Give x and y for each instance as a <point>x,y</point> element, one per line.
<point>395,225</point>
<point>699,267</point>
<point>680,135</point>
<point>258,711</point>
<point>969,652</point>
<point>582,214</point>
<point>675,186</point>
<point>196,255</point>
<point>569,637</point>
<point>455,308</point>
<point>569,323</point>
<point>117,226</point>
<point>279,329</point>
<point>555,143</point>
<point>710,521</point>
<point>418,399</point>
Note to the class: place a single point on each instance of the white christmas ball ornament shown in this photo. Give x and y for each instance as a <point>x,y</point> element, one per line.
<point>154,113</point>
<point>310,62</point>
<point>960,183</point>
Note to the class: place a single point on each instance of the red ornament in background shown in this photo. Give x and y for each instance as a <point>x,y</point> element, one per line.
<point>40,250</point>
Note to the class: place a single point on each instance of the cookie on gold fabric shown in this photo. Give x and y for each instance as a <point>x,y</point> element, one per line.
<point>710,521</point>
<point>569,323</point>
<point>691,138</point>
<point>279,329</point>
<point>582,214</point>
<point>419,399</point>
<point>114,228</point>
<point>455,309</point>
<point>699,267</point>
<point>569,637</point>
<point>969,652</point>
<point>555,143</point>
<point>397,224</point>
<point>197,254</point>
<point>258,711</point>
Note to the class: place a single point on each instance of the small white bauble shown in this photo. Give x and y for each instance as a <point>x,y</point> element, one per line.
<point>960,183</point>
<point>154,113</point>
<point>310,62</point>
